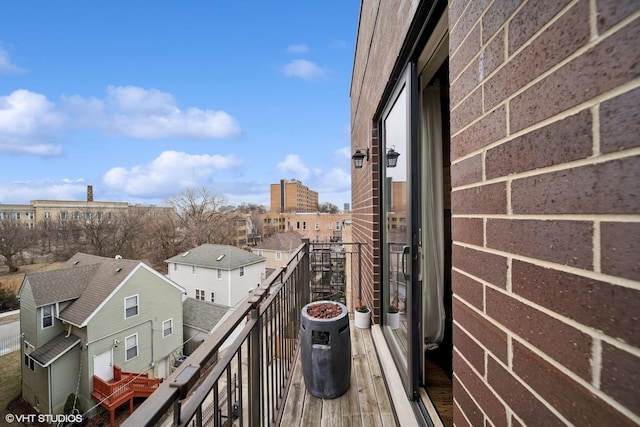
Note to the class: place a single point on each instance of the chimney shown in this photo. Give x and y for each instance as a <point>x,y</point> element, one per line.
<point>89,193</point>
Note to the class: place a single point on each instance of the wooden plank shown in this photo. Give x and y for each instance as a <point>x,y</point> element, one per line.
<point>379,384</point>
<point>331,412</point>
<point>295,398</point>
<point>312,413</point>
<point>366,392</point>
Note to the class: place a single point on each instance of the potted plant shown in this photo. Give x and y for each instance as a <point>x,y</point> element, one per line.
<point>362,315</point>
<point>393,315</point>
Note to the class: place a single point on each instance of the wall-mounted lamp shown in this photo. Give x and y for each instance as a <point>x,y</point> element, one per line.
<point>115,343</point>
<point>358,158</point>
<point>392,158</point>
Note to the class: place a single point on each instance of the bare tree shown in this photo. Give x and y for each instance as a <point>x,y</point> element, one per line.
<point>15,237</point>
<point>328,208</point>
<point>203,217</point>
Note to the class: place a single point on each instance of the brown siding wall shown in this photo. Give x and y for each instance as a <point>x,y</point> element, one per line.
<point>545,113</point>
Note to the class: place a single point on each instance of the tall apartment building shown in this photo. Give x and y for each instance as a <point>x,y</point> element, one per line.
<point>292,196</point>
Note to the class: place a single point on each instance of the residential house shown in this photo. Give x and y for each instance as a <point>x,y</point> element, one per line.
<point>98,317</point>
<point>277,249</point>
<point>200,319</point>
<point>497,194</point>
<point>217,273</point>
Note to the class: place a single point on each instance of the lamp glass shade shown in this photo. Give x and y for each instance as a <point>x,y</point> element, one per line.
<point>392,158</point>
<point>358,158</point>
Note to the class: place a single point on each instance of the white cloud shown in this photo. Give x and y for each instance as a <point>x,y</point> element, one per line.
<point>168,173</point>
<point>27,124</point>
<point>292,164</point>
<point>6,67</point>
<point>149,114</point>
<point>298,48</point>
<point>304,69</point>
<point>42,189</point>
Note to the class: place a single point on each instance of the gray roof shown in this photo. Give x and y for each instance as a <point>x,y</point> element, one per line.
<point>54,348</point>
<point>202,315</point>
<point>86,280</point>
<point>284,242</point>
<point>224,257</point>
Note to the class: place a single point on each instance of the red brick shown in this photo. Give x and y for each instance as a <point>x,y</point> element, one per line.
<point>468,82</point>
<point>610,12</point>
<point>488,129</point>
<point>564,242</point>
<point>620,249</point>
<point>471,411</point>
<point>604,188</point>
<point>492,338</point>
<point>466,22</point>
<point>563,343</point>
<point>485,199</point>
<point>560,142</point>
<point>599,305</point>
<point>485,266</point>
<point>620,122</point>
<point>524,404</point>
<point>484,396</point>
<point>611,63</point>
<point>468,289</point>
<point>468,171</point>
<point>471,351</point>
<point>465,52</point>
<point>468,230</point>
<point>559,41</point>
<point>496,16</point>
<point>529,19</point>
<point>579,405</point>
<point>492,55</point>
<point>466,112</point>
<point>620,377</point>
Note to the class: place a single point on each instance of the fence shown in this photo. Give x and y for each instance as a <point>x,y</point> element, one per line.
<point>9,344</point>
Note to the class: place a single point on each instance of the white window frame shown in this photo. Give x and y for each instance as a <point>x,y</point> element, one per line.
<point>175,266</point>
<point>200,294</point>
<point>164,328</point>
<point>127,347</point>
<point>194,270</point>
<point>317,226</point>
<point>219,273</point>
<point>213,296</point>
<point>278,255</point>
<point>137,306</point>
<point>42,316</point>
<point>241,271</point>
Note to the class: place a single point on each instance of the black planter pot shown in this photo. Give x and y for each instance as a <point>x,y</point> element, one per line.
<point>326,352</point>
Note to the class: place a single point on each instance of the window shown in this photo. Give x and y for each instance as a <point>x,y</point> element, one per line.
<point>47,215</point>
<point>241,271</point>
<point>167,328</point>
<point>219,273</point>
<point>200,294</point>
<point>130,306</point>
<point>330,225</point>
<point>194,270</point>
<point>317,226</point>
<point>213,297</point>
<point>30,215</point>
<point>304,225</point>
<point>62,216</point>
<point>175,266</point>
<point>28,360</point>
<point>47,316</point>
<point>278,256</point>
<point>15,215</point>
<point>131,347</point>
<point>297,225</point>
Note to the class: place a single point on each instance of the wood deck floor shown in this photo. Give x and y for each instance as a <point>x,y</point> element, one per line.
<point>366,403</point>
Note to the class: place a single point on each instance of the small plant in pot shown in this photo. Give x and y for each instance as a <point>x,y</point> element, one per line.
<point>393,315</point>
<point>362,315</point>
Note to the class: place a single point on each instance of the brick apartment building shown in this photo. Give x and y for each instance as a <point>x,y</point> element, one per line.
<point>517,125</point>
<point>292,196</point>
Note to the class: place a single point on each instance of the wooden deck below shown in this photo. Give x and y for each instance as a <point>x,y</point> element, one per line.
<point>366,403</point>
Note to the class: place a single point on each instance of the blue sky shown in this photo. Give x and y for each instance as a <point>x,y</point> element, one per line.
<point>143,98</point>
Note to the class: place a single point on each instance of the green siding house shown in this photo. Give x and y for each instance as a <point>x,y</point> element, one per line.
<point>92,314</point>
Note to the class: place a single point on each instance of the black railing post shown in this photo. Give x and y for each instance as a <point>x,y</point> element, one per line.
<point>306,284</point>
<point>255,383</point>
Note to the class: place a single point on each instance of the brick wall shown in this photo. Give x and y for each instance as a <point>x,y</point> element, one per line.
<point>545,127</point>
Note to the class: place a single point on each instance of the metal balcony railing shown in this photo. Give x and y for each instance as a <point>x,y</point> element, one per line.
<point>240,374</point>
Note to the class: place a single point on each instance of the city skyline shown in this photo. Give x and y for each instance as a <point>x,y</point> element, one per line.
<point>143,100</point>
